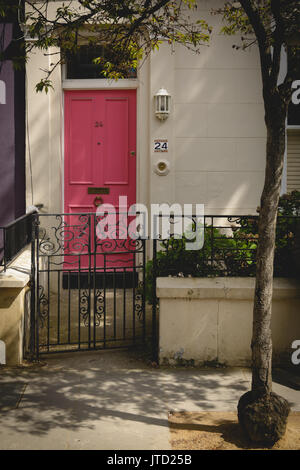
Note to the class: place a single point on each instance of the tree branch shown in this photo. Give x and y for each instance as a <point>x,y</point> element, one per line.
<point>262,39</point>
<point>146,14</point>
<point>278,37</point>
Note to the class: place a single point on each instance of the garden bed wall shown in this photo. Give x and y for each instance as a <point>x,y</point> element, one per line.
<point>209,320</point>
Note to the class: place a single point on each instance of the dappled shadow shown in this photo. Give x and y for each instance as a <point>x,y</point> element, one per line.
<point>77,391</point>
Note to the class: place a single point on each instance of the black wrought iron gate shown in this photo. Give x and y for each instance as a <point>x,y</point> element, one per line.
<point>88,291</point>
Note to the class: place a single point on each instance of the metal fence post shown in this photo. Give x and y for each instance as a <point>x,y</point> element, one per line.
<point>33,287</point>
<point>154,305</point>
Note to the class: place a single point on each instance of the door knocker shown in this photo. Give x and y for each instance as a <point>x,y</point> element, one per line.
<point>98,201</point>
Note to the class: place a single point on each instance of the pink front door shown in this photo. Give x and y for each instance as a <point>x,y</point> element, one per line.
<point>100,149</point>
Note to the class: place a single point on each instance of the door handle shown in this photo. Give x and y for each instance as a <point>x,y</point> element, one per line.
<point>98,201</point>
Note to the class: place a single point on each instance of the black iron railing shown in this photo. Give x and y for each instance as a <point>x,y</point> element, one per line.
<point>88,285</point>
<point>14,237</point>
<point>89,292</point>
<point>228,248</point>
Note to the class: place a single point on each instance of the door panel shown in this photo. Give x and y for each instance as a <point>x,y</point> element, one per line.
<point>115,161</point>
<point>100,149</point>
<point>81,142</point>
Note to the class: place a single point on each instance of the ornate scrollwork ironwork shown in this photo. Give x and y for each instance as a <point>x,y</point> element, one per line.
<point>139,301</point>
<point>80,271</point>
<point>43,307</point>
<point>113,233</point>
<point>84,307</point>
<point>244,222</point>
<point>234,219</point>
<point>66,238</point>
<point>111,226</point>
<point>128,245</point>
<point>99,306</point>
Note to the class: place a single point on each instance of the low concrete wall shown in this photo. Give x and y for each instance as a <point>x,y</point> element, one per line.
<point>13,288</point>
<point>204,320</point>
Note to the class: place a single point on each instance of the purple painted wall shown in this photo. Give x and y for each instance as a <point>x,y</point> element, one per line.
<point>12,134</point>
<point>7,135</point>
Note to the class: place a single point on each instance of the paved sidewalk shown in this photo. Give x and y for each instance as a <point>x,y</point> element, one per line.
<point>109,400</point>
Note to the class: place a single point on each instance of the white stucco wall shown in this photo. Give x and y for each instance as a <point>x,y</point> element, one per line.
<point>203,320</point>
<point>44,156</point>
<point>215,131</point>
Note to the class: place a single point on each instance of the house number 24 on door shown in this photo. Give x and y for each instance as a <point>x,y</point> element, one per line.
<point>161,145</point>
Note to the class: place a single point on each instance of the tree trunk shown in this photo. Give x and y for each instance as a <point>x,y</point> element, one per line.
<point>263,414</point>
<point>261,334</point>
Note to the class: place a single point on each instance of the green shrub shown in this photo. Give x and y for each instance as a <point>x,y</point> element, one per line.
<point>287,254</point>
<point>220,254</point>
<point>233,255</point>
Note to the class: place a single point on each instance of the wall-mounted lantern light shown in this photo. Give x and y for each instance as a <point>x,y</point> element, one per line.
<point>162,104</point>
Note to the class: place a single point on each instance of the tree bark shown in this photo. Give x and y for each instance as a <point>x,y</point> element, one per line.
<point>261,336</point>
<point>262,414</point>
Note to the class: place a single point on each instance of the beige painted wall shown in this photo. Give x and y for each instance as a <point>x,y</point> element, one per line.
<point>215,131</point>
<point>11,323</point>
<point>203,320</point>
<point>13,288</point>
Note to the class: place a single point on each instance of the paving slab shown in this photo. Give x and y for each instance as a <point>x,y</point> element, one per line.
<point>11,394</point>
<point>111,400</point>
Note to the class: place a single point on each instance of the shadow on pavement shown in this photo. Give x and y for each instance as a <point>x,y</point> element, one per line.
<point>77,391</point>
